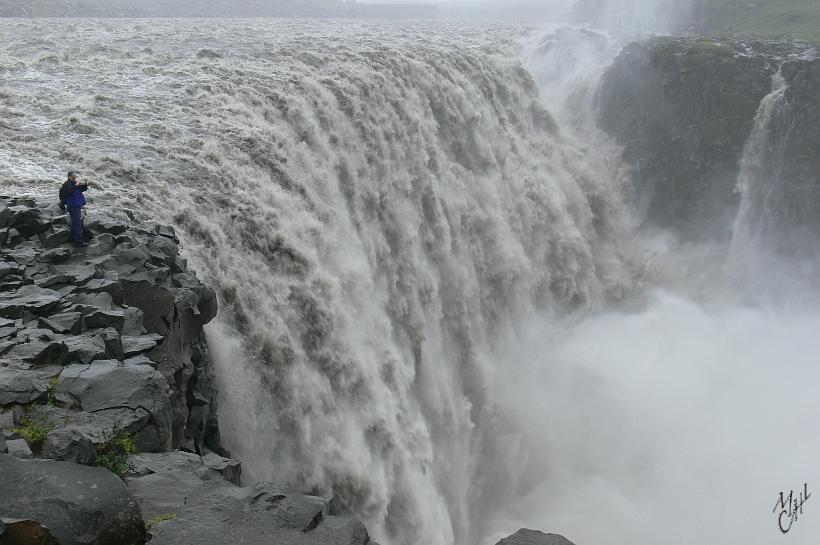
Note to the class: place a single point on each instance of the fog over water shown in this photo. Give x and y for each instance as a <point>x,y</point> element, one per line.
<point>438,303</point>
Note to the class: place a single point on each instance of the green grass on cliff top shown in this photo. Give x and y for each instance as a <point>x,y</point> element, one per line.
<point>795,19</point>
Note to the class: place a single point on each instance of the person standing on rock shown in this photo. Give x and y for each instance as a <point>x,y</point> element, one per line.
<point>71,196</point>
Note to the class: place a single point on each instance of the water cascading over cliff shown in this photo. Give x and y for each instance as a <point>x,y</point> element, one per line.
<point>378,210</point>
<point>434,303</point>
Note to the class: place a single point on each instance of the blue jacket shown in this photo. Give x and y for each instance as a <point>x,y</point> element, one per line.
<point>75,196</point>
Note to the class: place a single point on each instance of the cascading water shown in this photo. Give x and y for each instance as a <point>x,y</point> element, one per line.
<point>760,174</point>
<point>418,266</point>
<point>375,214</point>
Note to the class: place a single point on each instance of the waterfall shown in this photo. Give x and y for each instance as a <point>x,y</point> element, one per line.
<point>434,305</point>
<point>759,179</point>
<point>380,209</point>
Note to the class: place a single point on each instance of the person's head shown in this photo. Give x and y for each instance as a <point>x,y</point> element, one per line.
<point>72,175</point>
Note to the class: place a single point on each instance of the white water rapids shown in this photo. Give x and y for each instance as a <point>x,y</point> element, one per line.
<point>435,303</point>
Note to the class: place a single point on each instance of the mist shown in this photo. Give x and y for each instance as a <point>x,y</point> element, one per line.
<point>644,15</point>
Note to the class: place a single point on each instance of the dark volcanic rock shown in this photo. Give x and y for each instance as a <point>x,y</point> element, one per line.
<point>68,445</point>
<point>788,209</point>
<point>113,300</point>
<point>262,513</point>
<point>683,110</point>
<point>23,385</point>
<point>25,532</point>
<point>78,504</point>
<point>534,537</point>
<point>107,386</point>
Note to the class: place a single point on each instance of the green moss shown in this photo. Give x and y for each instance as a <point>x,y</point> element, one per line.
<point>52,390</point>
<point>160,518</point>
<point>113,454</point>
<point>33,432</point>
<point>784,19</point>
<point>710,48</point>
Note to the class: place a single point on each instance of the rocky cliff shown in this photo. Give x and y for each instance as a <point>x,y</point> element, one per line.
<point>684,109</point>
<point>104,370</point>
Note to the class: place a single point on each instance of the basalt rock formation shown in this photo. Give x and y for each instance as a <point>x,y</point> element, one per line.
<point>686,109</point>
<point>102,356</point>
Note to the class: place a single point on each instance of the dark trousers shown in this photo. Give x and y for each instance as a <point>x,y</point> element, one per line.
<point>76,213</point>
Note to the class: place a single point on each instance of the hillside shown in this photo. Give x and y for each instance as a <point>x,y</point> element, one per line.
<point>792,19</point>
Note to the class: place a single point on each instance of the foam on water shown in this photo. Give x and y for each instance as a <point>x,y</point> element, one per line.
<point>418,245</point>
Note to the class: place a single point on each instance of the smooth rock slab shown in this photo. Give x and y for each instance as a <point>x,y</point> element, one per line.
<point>80,505</point>
<point>39,352</point>
<point>64,322</point>
<point>19,449</point>
<point>164,482</point>
<point>229,468</point>
<point>24,385</point>
<point>261,514</point>
<point>109,385</point>
<point>69,445</point>
<point>534,537</point>
<point>132,345</point>
<point>28,298</point>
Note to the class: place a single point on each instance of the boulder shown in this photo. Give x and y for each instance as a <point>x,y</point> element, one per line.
<point>133,345</point>
<point>109,386</point>
<point>24,385</point>
<point>63,322</point>
<point>105,224</point>
<point>31,298</point>
<point>132,324</point>
<point>3,446</point>
<point>27,221</point>
<point>229,468</point>
<point>165,482</point>
<point>69,445</point>
<point>80,505</point>
<point>56,255</point>
<point>9,267</point>
<point>55,237</point>
<point>155,301</point>
<point>86,348</point>
<point>19,449</point>
<point>97,318</point>
<point>54,280</point>
<point>39,352</point>
<point>534,537</point>
<point>25,532</point>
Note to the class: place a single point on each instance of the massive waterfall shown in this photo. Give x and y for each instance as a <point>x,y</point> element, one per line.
<point>436,306</point>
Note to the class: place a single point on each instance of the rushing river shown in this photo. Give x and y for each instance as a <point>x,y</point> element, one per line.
<point>436,302</point>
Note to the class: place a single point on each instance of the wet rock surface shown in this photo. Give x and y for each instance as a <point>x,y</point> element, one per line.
<point>534,537</point>
<point>684,109</point>
<point>104,345</point>
<point>105,330</point>
<point>75,503</point>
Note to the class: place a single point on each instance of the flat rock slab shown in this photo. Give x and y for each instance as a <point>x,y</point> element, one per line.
<point>19,449</point>
<point>167,489</point>
<point>31,298</point>
<point>109,386</point>
<point>63,322</point>
<point>229,468</point>
<point>534,537</point>
<point>24,385</point>
<point>261,514</point>
<point>134,344</point>
<point>79,504</point>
